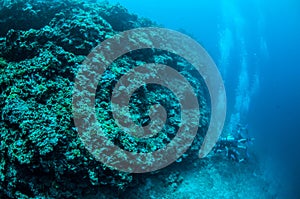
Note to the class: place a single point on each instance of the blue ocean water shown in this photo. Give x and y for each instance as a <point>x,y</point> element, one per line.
<point>254,44</point>
<point>256,47</point>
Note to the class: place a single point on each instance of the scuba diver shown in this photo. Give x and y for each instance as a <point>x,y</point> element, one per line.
<point>234,147</point>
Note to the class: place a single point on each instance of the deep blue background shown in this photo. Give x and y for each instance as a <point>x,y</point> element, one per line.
<point>266,34</point>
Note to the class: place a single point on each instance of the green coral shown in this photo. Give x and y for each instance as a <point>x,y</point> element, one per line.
<point>3,62</point>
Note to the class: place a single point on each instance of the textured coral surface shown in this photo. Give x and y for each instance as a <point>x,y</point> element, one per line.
<point>42,44</point>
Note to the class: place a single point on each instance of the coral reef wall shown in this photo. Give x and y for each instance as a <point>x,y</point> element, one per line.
<point>42,44</point>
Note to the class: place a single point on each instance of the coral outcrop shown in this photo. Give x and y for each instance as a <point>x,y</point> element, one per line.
<point>42,44</point>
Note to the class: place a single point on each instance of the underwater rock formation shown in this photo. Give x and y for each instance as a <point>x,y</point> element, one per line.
<point>42,44</point>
